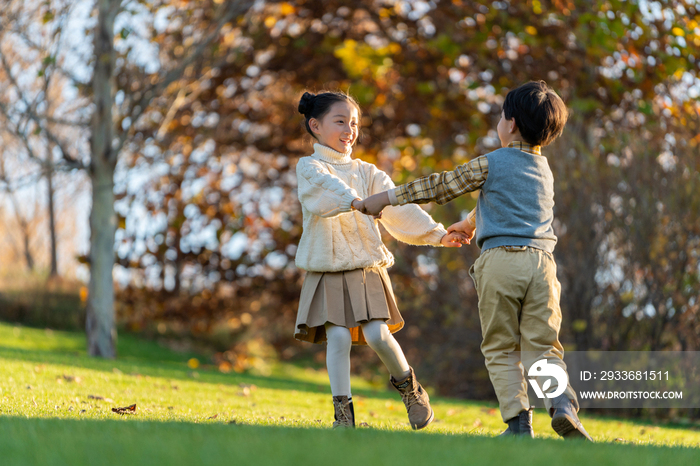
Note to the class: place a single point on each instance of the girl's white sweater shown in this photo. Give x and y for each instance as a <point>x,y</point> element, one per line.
<point>336,237</point>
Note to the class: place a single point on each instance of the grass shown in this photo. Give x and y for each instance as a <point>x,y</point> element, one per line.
<point>55,408</point>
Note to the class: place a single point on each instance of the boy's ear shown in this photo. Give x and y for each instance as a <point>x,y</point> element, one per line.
<point>313,124</point>
<point>512,126</point>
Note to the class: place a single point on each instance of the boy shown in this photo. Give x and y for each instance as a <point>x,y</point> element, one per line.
<point>515,276</point>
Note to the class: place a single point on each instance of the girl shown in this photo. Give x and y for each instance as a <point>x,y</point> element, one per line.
<point>347,297</point>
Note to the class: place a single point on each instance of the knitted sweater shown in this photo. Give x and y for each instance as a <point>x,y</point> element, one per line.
<point>337,238</point>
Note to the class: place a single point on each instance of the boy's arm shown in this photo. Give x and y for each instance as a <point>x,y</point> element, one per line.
<point>438,187</point>
<point>409,223</point>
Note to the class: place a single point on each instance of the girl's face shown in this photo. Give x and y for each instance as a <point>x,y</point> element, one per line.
<point>339,128</point>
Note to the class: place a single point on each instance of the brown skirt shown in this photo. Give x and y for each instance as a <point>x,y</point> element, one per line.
<point>346,299</point>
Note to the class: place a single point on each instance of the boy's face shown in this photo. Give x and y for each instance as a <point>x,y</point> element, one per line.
<point>507,130</point>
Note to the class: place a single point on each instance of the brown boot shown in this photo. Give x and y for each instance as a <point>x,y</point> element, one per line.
<point>417,402</point>
<point>565,421</point>
<point>520,425</point>
<point>344,412</point>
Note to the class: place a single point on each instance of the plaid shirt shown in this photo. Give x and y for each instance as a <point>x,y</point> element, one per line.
<point>443,187</point>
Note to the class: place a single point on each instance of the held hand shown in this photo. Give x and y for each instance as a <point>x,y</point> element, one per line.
<point>454,240</point>
<point>463,227</point>
<point>360,207</point>
<point>374,205</point>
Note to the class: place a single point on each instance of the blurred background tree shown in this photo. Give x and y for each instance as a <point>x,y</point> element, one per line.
<point>205,190</point>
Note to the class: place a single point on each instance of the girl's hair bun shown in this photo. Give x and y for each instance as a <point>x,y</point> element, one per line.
<point>306,104</point>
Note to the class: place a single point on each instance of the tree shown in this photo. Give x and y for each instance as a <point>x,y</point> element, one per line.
<point>36,138</point>
<point>100,313</point>
<point>107,140</point>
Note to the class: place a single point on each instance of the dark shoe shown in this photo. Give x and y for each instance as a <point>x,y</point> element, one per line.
<point>565,422</point>
<point>344,412</point>
<point>417,402</point>
<point>520,425</point>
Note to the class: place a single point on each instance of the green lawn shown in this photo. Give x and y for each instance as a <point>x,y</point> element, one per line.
<point>55,408</point>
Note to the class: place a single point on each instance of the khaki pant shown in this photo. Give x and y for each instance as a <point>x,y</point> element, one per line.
<point>520,320</point>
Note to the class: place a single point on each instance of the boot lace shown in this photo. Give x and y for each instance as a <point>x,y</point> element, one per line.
<point>411,397</point>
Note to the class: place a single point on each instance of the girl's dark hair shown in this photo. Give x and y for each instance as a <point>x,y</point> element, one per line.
<point>539,112</point>
<point>317,105</point>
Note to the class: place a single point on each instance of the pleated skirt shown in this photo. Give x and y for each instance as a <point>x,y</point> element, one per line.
<point>347,299</point>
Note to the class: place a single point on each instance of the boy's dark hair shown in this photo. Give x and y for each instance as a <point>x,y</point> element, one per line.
<point>317,105</point>
<point>539,112</point>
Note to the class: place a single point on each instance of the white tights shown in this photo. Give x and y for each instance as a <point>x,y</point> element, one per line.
<point>378,337</point>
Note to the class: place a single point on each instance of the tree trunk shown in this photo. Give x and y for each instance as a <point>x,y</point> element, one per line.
<point>52,222</point>
<point>100,328</point>
<point>101,332</point>
<point>27,252</point>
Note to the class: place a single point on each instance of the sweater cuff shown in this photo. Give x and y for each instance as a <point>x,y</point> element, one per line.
<point>436,235</point>
<point>392,197</point>
<point>346,200</point>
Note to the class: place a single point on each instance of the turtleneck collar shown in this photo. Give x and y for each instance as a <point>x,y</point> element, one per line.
<point>329,155</point>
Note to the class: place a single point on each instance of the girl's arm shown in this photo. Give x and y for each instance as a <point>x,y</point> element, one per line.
<point>408,223</point>
<point>320,192</point>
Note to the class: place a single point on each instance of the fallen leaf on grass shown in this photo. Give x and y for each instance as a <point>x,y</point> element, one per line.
<point>232,421</point>
<point>213,417</point>
<point>101,398</point>
<point>364,424</point>
<point>71,378</point>
<point>125,410</point>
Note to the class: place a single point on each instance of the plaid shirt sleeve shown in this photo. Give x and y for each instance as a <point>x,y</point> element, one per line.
<point>445,186</point>
<point>472,217</point>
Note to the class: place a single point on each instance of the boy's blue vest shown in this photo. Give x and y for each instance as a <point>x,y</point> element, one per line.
<point>515,206</point>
